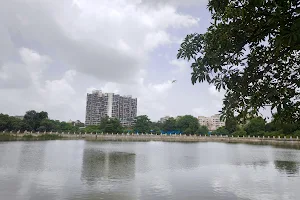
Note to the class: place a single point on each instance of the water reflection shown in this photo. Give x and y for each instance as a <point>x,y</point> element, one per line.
<point>32,158</point>
<point>288,167</point>
<point>98,165</point>
<point>80,170</point>
<point>286,161</point>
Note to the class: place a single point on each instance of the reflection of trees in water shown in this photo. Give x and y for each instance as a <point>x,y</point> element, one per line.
<point>289,167</point>
<point>111,195</point>
<point>257,164</point>
<point>286,161</point>
<point>99,166</point>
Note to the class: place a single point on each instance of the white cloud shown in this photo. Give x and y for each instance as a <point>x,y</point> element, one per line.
<point>181,65</point>
<point>155,39</point>
<point>21,75</point>
<point>200,111</point>
<point>34,92</point>
<point>95,37</point>
<point>177,2</point>
<point>214,92</point>
<point>217,97</point>
<point>52,52</point>
<point>160,88</point>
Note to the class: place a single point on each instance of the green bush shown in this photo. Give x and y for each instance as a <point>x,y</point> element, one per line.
<point>239,133</point>
<point>260,133</point>
<point>274,133</point>
<point>28,137</point>
<point>49,137</point>
<point>221,131</point>
<point>296,133</point>
<point>7,137</point>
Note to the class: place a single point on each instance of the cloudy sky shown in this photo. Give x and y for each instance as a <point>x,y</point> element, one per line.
<point>52,52</point>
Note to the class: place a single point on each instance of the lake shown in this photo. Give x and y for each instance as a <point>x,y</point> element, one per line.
<point>82,170</point>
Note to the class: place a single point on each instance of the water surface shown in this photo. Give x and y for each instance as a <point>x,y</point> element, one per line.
<point>82,170</point>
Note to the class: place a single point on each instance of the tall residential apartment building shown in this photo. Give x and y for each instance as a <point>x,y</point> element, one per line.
<point>99,105</point>
<point>212,123</point>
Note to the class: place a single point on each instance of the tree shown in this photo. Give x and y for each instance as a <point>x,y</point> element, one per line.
<point>221,131</point>
<point>34,119</point>
<point>31,119</point>
<point>4,122</point>
<point>15,124</point>
<point>286,127</point>
<point>169,124</point>
<point>241,132</point>
<point>156,127</point>
<point>47,125</point>
<point>92,129</point>
<point>142,124</point>
<point>231,124</point>
<point>66,127</point>
<point>252,51</point>
<point>103,124</point>
<point>113,125</point>
<point>188,124</point>
<point>110,125</point>
<point>202,130</point>
<point>42,115</point>
<point>255,126</point>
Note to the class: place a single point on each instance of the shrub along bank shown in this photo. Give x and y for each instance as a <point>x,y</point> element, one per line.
<point>259,127</point>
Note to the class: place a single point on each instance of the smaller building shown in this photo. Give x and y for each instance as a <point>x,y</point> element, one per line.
<point>204,121</point>
<point>212,123</point>
<point>217,122</point>
<point>76,123</point>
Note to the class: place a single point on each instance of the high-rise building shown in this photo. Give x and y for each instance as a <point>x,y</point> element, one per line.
<point>99,105</point>
<point>212,123</point>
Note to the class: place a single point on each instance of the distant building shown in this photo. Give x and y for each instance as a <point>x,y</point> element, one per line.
<point>212,123</point>
<point>99,105</point>
<point>76,123</point>
<point>163,119</point>
<point>19,117</point>
<point>204,121</point>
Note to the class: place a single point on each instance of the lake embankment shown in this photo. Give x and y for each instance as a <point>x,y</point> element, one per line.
<point>276,141</point>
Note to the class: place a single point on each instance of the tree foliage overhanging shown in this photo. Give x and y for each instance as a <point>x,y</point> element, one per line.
<point>252,50</point>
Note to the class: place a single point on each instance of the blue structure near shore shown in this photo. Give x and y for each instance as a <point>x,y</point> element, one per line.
<point>174,132</point>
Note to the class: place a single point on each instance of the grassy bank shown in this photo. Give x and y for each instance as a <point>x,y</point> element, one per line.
<point>15,137</point>
<point>8,137</point>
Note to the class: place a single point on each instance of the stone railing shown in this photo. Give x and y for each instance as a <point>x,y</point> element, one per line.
<point>95,134</point>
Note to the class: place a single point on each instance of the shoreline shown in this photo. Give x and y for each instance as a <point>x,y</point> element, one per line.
<point>286,142</point>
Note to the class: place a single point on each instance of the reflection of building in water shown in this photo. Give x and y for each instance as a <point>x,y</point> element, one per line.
<point>99,165</point>
<point>289,167</point>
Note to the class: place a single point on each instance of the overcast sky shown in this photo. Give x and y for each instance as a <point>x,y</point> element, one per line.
<point>52,52</point>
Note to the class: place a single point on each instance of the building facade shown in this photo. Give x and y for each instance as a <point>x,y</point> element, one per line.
<point>99,105</point>
<point>214,122</point>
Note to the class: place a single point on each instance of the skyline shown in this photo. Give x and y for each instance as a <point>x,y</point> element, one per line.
<point>126,47</point>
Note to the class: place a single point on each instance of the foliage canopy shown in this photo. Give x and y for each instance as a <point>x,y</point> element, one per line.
<point>252,51</point>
